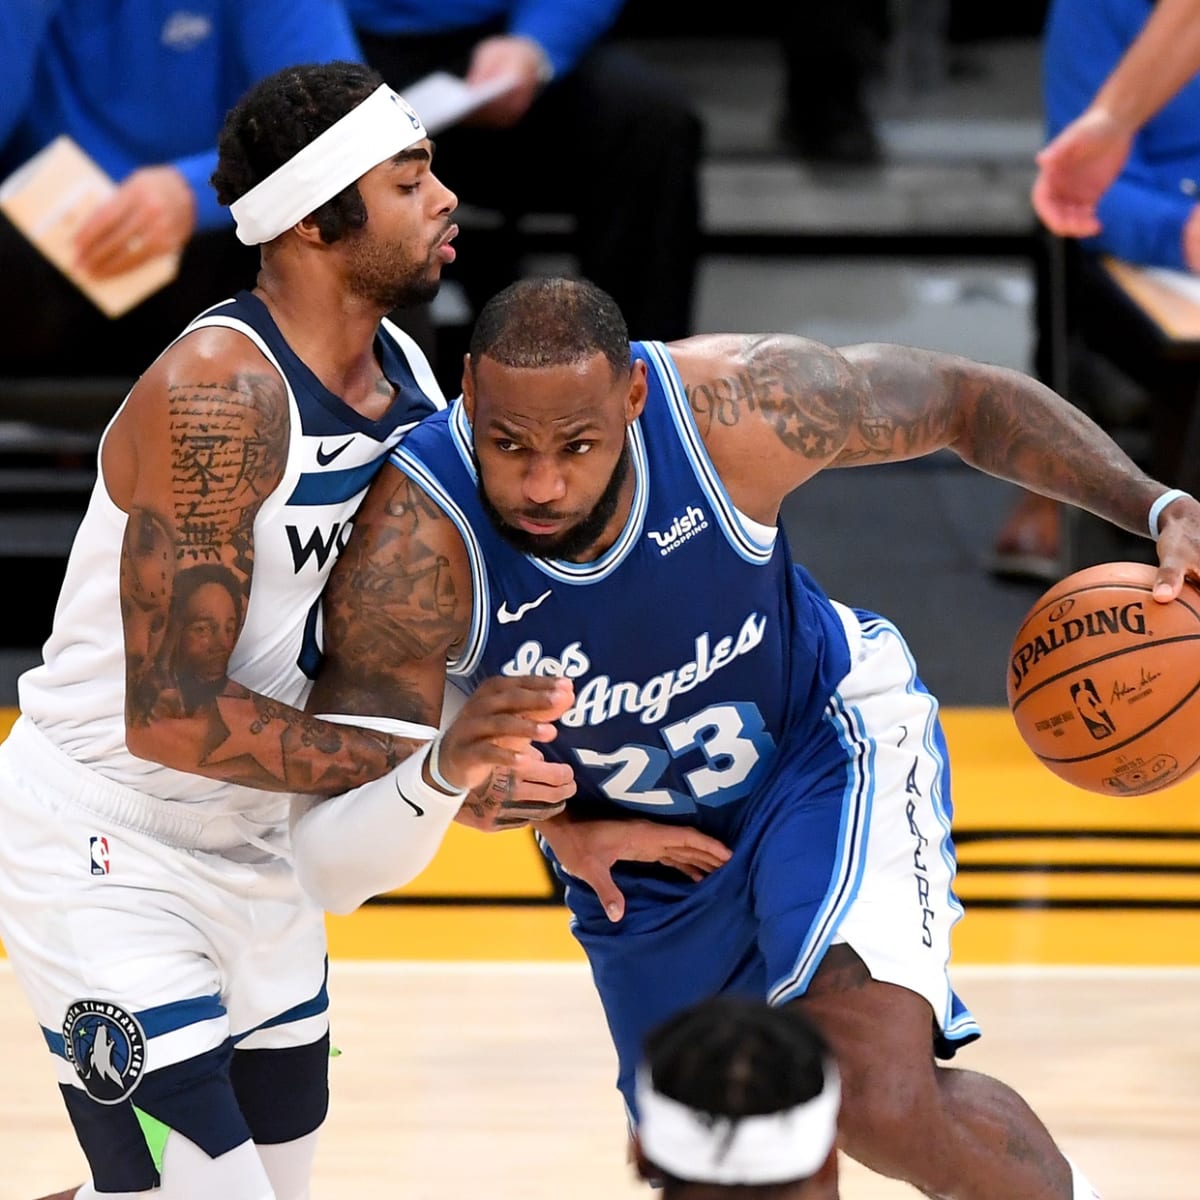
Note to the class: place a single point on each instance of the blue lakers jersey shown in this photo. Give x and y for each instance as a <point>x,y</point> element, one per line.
<point>694,643</point>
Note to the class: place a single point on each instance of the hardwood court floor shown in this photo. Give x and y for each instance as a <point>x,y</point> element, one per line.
<point>494,1082</point>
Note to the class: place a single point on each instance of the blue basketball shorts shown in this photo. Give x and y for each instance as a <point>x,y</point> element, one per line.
<point>849,840</point>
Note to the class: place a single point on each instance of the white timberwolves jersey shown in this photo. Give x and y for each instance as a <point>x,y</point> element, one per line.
<point>77,696</point>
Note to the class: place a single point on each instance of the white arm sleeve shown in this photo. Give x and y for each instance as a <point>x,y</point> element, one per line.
<point>375,837</point>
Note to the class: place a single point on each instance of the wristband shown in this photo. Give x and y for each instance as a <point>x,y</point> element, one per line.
<point>1157,507</point>
<point>410,779</point>
<point>435,770</point>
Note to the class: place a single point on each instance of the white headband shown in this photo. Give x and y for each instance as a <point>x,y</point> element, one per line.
<point>705,1148</point>
<point>370,133</point>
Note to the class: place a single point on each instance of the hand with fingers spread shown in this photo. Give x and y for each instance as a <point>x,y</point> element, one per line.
<point>495,729</point>
<point>152,213</point>
<point>513,799</point>
<point>588,850</point>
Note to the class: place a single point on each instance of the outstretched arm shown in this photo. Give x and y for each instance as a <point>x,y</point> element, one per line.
<point>1009,425</point>
<point>774,409</point>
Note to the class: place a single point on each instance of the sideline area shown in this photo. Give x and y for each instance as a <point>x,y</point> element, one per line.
<point>1049,874</point>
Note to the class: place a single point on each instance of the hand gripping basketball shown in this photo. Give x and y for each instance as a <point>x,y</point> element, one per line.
<point>1104,681</point>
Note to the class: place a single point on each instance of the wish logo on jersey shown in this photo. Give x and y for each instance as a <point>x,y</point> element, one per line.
<point>601,698</point>
<point>686,526</point>
<point>107,1048</point>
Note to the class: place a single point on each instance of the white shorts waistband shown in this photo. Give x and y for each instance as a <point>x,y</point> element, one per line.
<point>167,821</point>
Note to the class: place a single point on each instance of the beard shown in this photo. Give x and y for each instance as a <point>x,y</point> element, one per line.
<point>389,277</point>
<point>573,542</point>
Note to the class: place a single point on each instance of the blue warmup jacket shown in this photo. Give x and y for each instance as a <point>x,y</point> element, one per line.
<point>144,82</point>
<point>1144,212</point>
<point>565,29</point>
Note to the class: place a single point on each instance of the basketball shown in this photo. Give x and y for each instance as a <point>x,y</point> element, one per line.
<point>1103,681</point>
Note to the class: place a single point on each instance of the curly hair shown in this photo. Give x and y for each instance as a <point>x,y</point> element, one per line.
<point>277,118</point>
<point>550,322</point>
<point>735,1056</point>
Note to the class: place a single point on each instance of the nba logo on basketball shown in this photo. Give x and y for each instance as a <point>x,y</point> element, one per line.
<point>100,861</point>
<point>1104,681</point>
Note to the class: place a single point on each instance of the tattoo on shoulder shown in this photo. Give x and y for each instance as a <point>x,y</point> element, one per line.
<point>797,387</point>
<point>229,444</point>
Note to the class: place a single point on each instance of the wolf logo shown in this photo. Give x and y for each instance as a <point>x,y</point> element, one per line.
<point>107,1047</point>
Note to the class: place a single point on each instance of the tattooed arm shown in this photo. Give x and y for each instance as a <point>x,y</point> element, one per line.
<point>397,603</point>
<point>396,606</point>
<point>774,409</point>
<point>196,450</point>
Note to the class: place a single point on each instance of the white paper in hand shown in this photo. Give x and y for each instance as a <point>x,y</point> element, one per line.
<point>1182,283</point>
<point>442,99</point>
<point>49,197</point>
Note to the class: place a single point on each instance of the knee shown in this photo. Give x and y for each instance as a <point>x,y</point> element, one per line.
<point>891,1119</point>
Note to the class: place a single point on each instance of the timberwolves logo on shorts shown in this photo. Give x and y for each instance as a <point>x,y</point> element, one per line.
<point>107,1047</point>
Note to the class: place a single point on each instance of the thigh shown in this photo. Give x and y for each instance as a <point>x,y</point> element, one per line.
<point>144,964</point>
<point>881,1038</point>
<point>891,881</point>
<point>675,946</point>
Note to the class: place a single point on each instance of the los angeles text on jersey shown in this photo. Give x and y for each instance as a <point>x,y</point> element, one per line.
<point>601,698</point>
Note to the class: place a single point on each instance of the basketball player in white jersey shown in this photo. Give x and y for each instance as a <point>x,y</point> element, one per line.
<point>147,898</point>
<point>609,513</point>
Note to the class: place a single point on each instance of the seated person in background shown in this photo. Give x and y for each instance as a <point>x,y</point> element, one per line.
<point>829,50</point>
<point>149,114</point>
<point>736,1097</point>
<point>1149,216</point>
<point>590,130</point>
<point>1085,158</point>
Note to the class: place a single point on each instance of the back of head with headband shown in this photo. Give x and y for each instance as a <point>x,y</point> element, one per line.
<point>734,1092</point>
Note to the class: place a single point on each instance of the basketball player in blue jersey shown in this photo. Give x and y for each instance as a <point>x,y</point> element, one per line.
<point>148,901</point>
<point>610,515</point>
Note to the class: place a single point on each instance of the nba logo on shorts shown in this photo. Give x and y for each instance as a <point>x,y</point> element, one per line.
<point>100,861</point>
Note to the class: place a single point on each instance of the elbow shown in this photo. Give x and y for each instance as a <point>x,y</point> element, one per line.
<point>330,888</point>
<point>142,741</point>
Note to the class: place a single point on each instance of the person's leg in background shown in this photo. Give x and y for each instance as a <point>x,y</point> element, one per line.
<point>628,145</point>
<point>828,48</point>
<point>1085,348</point>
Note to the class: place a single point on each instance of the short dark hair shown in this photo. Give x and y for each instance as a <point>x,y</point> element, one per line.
<point>277,118</point>
<point>736,1056</point>
<point>549,322</point>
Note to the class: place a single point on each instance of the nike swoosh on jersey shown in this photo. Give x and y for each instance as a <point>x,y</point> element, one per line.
<point>326,457</point>
<point>411,803</point>
<point>505,617</point>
